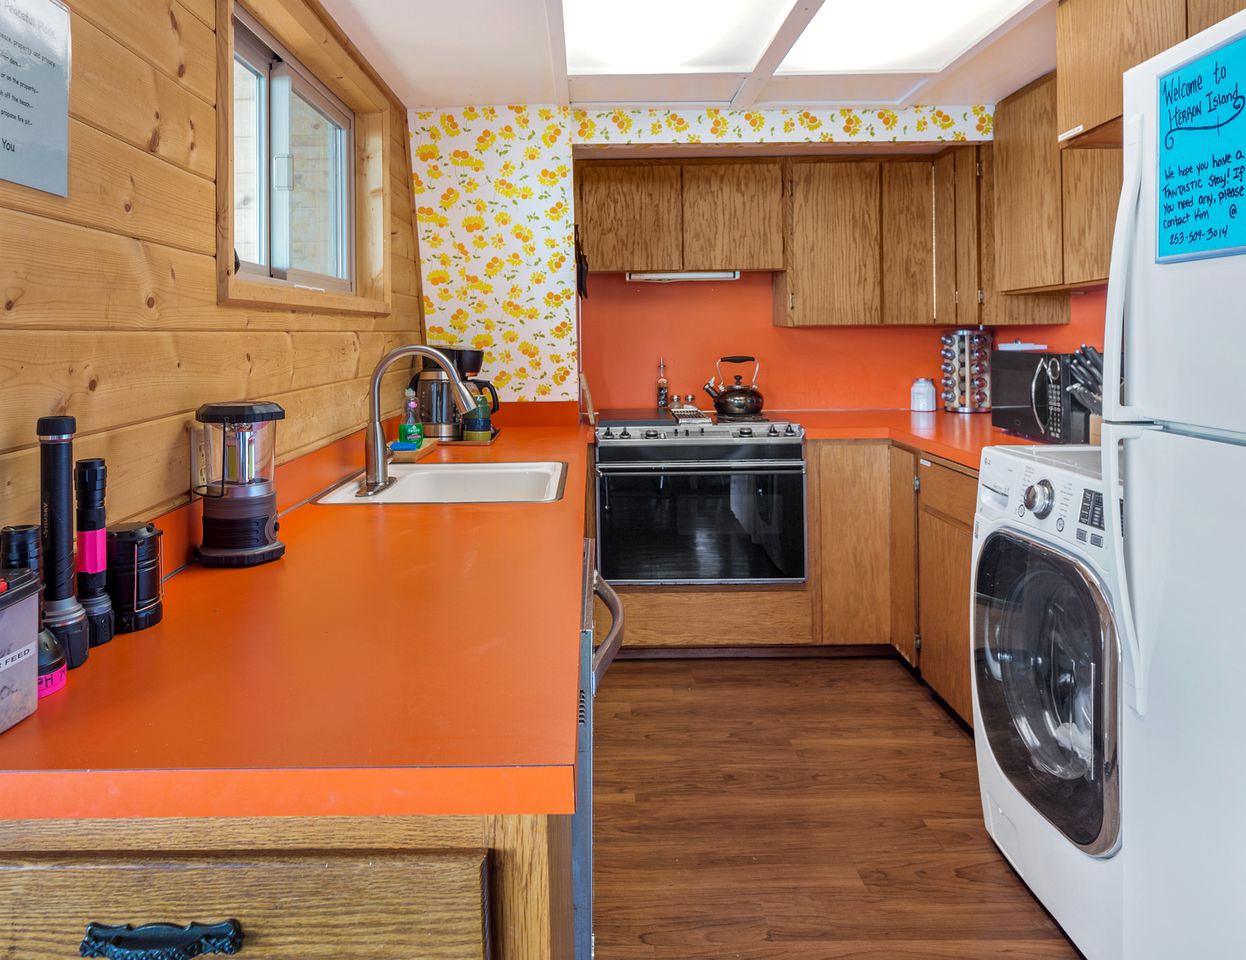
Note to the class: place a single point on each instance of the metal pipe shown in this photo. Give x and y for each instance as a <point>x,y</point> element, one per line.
<point>376,471</point>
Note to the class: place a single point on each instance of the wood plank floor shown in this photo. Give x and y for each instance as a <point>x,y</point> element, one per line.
<point>795,810</point>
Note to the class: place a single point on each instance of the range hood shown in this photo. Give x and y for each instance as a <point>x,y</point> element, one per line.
<point>679,276</point>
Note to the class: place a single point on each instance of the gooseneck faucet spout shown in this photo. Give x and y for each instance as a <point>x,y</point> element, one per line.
<point>376,473</point>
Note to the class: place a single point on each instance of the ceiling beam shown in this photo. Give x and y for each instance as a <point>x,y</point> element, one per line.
<point>787,35</point>
<point>557,51</point>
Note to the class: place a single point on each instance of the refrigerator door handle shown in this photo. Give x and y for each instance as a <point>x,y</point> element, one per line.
<point>1115,435</point>
<point>1114,406</point>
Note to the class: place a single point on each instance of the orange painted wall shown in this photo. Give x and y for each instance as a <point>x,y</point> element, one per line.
<point>626,326</point>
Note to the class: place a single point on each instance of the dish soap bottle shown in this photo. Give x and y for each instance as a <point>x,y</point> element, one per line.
<point>411,430</point>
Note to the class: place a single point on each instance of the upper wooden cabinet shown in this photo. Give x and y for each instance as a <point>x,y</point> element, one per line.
<point>958,284</point>
<point>833,257</point>
<point>1054,210</point>
<point>1005,309</point>
<point>733,216</point>
<point>1097,41</point>
<point>908,265</point>
<point>632,217</point>
<point>1201,14</point>
<point>671,216</point>
<point>1027,189</point>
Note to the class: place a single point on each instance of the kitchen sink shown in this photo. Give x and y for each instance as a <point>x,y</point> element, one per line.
<point>530,482</point>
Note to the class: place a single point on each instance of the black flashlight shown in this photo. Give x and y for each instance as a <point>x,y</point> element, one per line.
<point>62,613</point>
<point>91,559</point>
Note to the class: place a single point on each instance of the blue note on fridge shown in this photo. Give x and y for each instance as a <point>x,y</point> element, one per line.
<point>1201,175</point>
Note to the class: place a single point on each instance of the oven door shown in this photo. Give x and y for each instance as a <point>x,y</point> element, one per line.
<point>704,523</point>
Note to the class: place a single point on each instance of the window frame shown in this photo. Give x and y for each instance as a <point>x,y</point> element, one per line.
<point>282,74</point>
<point>374,146</point>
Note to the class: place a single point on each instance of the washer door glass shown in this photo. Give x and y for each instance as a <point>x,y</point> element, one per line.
<point>1045,659</point>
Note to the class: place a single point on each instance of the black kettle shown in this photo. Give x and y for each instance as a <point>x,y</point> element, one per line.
<point>738,399</point>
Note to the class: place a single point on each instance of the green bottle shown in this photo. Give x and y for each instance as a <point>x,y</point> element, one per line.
<point>411,430</point>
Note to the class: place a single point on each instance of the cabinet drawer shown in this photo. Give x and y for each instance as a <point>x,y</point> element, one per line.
<point>369,906</point>
<point>948,492</point>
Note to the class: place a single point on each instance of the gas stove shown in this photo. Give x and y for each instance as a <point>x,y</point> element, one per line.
<point>705,442</point>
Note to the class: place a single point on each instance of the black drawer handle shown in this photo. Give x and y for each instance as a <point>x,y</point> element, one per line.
<point>161,941</point>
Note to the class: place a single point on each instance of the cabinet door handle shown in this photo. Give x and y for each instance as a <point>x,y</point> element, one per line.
<point>161,941</point>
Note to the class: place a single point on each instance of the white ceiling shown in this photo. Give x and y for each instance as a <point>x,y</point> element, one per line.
<point>437,53</point>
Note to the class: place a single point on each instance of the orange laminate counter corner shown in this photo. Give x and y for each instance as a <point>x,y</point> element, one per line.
<point>398,660</point>
<point>958,437</point>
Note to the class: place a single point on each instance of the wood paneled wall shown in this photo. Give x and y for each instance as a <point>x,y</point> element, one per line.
<point>108,298</point>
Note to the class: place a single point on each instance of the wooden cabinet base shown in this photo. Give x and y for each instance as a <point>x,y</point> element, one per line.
<point>714,617</point>
<point>435,887</point>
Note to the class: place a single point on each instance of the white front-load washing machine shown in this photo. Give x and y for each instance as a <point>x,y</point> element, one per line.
<point>1047,681</point>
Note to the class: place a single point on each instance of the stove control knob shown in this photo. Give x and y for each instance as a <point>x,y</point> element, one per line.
<point>624,435</point>
<point>790,431</point>
<point>1040,498</point>
<point>652,434</point>
<point>608,434</point>
<point>746,431</point>
<point>773,431</point>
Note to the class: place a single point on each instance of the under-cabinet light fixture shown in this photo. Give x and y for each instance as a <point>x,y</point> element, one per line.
<point>676,276</point>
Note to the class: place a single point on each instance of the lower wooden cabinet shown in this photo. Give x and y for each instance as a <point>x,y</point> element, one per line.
<point>302,888</point>
<point>852,539</point>
<point>945,509</point>
<point>378,905</point>
<point>903,549</point>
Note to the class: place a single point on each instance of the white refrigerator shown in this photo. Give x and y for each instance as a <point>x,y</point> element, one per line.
<point>1175,435</point>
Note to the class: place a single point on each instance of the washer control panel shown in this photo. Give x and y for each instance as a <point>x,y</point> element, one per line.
<point>1064,503</point>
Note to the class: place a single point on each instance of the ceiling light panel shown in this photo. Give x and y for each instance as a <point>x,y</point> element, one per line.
<point>884,36</point>
<point>669,36</point>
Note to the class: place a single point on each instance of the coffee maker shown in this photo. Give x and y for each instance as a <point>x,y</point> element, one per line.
<point>434,393</point>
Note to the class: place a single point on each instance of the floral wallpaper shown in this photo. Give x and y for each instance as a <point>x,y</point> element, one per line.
<point>494,204</point>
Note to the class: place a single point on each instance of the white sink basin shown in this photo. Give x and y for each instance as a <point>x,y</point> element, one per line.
<point>534,482</point>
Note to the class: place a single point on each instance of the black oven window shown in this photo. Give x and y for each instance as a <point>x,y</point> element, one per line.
<point>715,527</point>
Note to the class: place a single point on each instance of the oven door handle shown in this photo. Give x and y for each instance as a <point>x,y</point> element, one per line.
<point>700,467</point>
<point>604,655</point>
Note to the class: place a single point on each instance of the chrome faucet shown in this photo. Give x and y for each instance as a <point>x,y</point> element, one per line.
<point>376,474</point>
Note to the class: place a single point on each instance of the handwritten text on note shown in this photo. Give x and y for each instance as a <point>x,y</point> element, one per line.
<point>1201,183</point>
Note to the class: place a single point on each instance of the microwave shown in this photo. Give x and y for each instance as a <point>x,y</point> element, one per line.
<point>1030,398</point>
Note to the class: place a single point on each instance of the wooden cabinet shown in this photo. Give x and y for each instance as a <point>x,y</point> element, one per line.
<point>958,283</point>
<point>1004,309</point>
<point>1201,14</point>
<point>902,469</point>
<point>852,537</point>
<point>1027,189</point>
<point>908,256</point>
<point>1054,209</point>
<point>732,216</point>
<point>833,258</point>
<point>671,216</point>
<point>1096,42</point>
<point>379,904</point>
<point>310,888</point>
<point>945,546</point>
<point>632,217</point>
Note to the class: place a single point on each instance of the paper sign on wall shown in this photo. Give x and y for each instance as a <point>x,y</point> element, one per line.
<point>1201,176</point>
<point>34,94</point>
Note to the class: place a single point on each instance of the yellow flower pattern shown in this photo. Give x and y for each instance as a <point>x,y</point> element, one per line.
<point>493,192</point>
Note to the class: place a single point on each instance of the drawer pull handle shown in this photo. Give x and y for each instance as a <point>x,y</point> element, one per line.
<point>161,941</point>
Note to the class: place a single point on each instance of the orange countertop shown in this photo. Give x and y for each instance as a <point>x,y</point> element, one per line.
<point>958,437</point>
<point>398,660</point>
